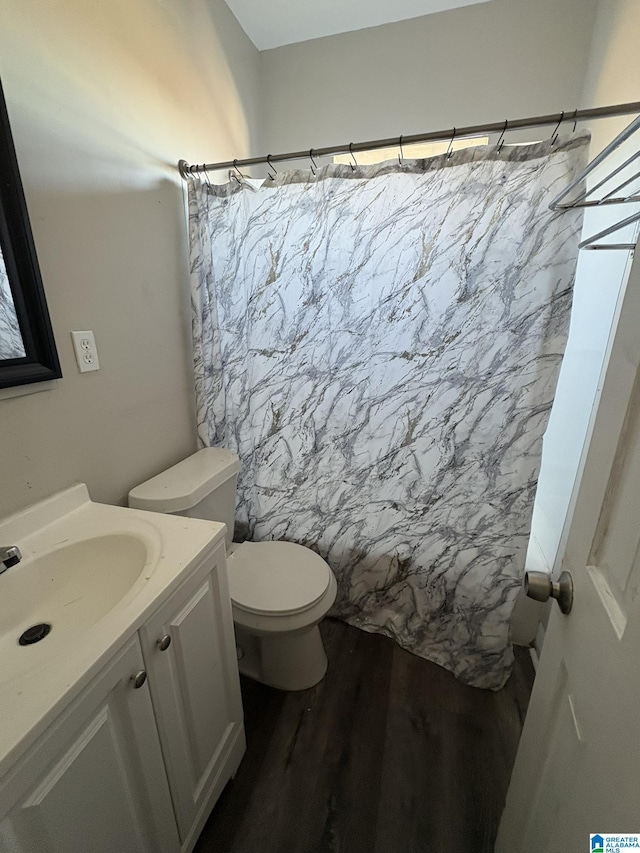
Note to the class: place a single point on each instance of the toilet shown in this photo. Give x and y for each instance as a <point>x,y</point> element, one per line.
<point>279,591</point>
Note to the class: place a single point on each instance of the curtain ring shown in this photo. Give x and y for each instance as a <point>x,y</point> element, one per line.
<point>501,140</point>
<point>353,167</point>
<point>234,177</point>
<point>575,120</point>
<point>401,154</point>
<point>206,175</point>
<point>271,166</point>
<point>449,151</point>
<point>314,165</point>
<point>554,135</point>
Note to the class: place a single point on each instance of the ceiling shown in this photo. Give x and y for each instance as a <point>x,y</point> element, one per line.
<point>273,23</point>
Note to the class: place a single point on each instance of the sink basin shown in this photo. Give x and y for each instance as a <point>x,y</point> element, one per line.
<point>71,588</point>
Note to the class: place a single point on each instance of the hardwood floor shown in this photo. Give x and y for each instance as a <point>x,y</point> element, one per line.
<point>388,754</point>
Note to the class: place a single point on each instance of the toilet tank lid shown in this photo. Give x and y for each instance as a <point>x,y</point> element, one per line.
<point>187,483</point>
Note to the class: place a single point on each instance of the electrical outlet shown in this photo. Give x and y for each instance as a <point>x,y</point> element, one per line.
<point>84,345</point>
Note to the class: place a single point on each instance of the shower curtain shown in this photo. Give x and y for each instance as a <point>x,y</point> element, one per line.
<point>380,346</point>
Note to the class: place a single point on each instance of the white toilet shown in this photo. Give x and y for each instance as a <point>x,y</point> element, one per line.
<point>279,591</point>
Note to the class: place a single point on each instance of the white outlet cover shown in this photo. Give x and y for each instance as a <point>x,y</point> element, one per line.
<point>84,345</point>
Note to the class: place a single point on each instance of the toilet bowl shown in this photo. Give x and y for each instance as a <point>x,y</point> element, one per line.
<point>280,591</point>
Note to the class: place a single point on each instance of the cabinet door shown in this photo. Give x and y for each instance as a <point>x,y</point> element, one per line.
<point>196,692</point>
<point>95,780</point>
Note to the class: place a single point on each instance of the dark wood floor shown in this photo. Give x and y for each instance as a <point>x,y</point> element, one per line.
<point>389,754</point>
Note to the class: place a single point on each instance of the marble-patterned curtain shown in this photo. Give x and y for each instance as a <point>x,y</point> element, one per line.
<point>380,347</point>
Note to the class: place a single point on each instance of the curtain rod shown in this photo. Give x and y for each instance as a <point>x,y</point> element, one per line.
<point>436,135</point>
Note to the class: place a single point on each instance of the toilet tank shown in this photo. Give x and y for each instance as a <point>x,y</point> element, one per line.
<point>201,486</point>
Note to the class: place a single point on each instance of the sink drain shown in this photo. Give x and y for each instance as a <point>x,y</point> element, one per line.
<point>34,634</point>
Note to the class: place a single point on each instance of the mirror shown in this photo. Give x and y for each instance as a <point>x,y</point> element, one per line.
<point>27,347</point>
<point>11,343</point>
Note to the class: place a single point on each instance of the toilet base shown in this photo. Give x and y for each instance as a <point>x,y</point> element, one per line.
<point>285,661</point>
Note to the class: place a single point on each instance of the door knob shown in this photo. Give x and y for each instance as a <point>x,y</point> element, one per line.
<point>539,586</point>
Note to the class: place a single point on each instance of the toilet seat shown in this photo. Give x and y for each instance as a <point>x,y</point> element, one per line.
<point>276,578</point>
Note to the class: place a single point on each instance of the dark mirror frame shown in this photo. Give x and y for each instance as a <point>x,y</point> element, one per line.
<point>41,360</point>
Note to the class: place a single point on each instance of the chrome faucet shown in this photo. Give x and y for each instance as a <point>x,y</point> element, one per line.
<point>9,556</point>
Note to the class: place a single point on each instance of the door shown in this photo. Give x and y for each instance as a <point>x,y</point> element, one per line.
<point>577,772</point>
<point>95,781</point>
<point>190,652</point>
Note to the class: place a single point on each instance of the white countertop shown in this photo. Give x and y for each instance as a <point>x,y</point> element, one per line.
<point>30,701</point>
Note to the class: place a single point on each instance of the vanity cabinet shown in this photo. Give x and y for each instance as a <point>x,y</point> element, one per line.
<point>95,780</point>
<point>190,657</point>
<point>137,760</point>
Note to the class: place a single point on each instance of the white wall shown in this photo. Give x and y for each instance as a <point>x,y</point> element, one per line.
<point>104,98</point>
<point>613,76</point>
<point>496,60</point>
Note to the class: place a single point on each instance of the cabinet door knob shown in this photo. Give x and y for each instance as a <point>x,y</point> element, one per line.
<point>164,642</point>
<point>139,678</point>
